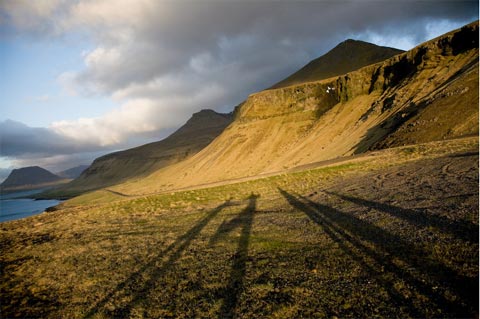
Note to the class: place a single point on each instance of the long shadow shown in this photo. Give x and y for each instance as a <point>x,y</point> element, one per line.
<point>117,193</point>
<point>460,229</point>
<point>467,154</point>
<point>237,274</point>
<point>342,239</point>
<point>387,246</point>
<point>136,286</point>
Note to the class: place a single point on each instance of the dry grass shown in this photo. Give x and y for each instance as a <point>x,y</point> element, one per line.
<point>393,236</point>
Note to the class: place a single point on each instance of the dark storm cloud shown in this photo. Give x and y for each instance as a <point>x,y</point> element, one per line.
<point>18,140</point>
<point>164,38</point>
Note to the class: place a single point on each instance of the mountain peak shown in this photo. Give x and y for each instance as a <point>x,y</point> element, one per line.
<point>209,113</point>
<point>361,45</point>
<point>347,56</point>
<point>32,175</point>
<point>28,168</point>
<point>352,41</point>
<point>204,112</point>
<point>203,119</point>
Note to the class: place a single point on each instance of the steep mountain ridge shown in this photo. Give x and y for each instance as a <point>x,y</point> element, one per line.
<point>428,93</point>
<point>136,162</point>
<point>347,56</point>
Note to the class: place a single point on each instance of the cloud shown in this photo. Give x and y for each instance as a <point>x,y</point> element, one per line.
<point>163,60</point>
<point>60,147</point>
<point>20,140</point>
<point>134,117</point>
<point>42,98</point>
<point>21,145</point>
<point>36,17</point>
<point>142,42</point>
<point>4,172</point>
<point>57,163</point>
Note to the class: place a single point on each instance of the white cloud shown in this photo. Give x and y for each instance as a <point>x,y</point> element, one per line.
<point>404,42</point>
<point>111,129</point>
<point>29,14</point>
<point>56,163</point>
<point>67,82</point>
<point>437,28</point>
<point>42,98</point>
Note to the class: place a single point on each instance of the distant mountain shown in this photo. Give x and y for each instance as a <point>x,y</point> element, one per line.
<point>73,172</point>
<point>30,178</point>
<point>347,56</point>
<point>202,128</point>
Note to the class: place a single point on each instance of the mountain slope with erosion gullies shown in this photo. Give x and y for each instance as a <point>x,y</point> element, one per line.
<point>428,93</point>
<point>136,162</point>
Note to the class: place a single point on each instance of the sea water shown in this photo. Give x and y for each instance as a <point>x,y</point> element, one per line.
<point>18,205</point>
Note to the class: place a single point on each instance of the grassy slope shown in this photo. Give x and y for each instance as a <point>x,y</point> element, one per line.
<point>279,129</point>
<point>136,162</point>
<point>348,56</point>
<point>390,234</point>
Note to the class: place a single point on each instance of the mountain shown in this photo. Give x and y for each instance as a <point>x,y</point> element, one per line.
<point>348,56</point>
<point>426,94</point>
<point>202,128</point>
<point>73,172</point>
<point>30,178</point>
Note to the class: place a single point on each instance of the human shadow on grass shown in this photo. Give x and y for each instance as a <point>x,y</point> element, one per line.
<point>352,234</point>
<point>460,229</point>
<point>467,154</point>
<point>236,279</point>
<point>136,286</point>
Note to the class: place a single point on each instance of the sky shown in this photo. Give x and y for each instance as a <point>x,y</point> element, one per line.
<point>84,78</point>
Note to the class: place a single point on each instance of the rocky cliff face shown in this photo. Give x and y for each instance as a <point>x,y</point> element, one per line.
<point>389,78</point>
<point>428,93</point>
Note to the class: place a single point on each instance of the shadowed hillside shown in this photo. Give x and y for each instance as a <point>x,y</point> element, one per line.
<point>29,178</point>
<point>428,93</point>
<point>114,168</point>
<point>348,56</point>
<point>73,172</point>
